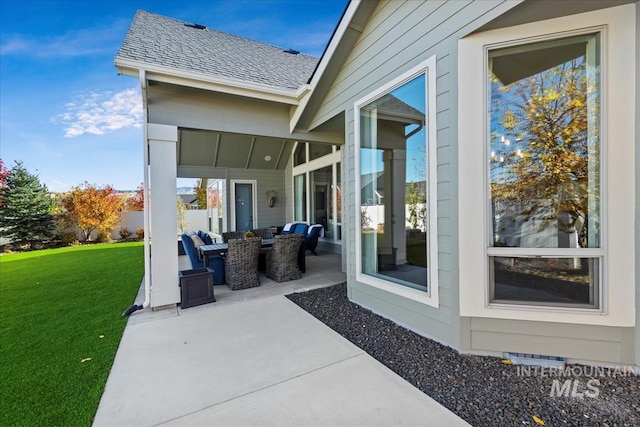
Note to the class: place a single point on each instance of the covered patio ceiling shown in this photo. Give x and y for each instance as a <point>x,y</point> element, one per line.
<point>204,148</point>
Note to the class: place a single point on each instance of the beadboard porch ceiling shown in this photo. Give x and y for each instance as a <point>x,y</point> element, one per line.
<point>204,148</point>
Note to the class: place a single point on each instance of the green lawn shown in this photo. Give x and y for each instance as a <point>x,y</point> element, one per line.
<point>416,248</point>
<point>59,307</point>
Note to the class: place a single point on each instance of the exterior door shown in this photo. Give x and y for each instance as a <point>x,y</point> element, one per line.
<point>244,205</point>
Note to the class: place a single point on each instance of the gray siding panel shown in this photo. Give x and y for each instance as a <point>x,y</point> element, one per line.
<point>579,342</point>
<point>521,327</point>
<point>598,351</point>
<point>201,109</point>
<point>411,316</point>
<point>389,18</point>
<point>266,180</point>
<point>398,36</point>
<point>401,35</point>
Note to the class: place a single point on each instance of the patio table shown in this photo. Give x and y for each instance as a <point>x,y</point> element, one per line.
<point>217,248</point>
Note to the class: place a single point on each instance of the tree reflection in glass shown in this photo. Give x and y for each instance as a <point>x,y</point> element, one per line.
<point>544,149</point>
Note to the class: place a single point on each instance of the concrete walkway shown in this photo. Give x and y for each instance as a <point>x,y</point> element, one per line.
<point>263,361</point>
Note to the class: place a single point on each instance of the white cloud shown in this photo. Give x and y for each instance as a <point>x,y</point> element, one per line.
<point>99,113</point>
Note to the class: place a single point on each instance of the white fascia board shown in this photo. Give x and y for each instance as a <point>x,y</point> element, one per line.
<point>335,41</point>
<point>302,91</point>
<point>164,74</point>
<point>298,110</point>
<point>324,62</point>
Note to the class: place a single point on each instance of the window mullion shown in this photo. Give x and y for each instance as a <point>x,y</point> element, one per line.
<point>545,252</point>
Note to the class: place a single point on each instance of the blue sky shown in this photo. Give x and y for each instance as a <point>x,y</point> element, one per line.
<point>64,111</point>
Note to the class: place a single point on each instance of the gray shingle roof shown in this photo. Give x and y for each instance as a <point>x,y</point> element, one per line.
<point>392,106</point>
<point>159,40</point>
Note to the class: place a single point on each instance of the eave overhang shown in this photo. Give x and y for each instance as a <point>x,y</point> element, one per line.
<point>346,24</point>
<point>175,76</point>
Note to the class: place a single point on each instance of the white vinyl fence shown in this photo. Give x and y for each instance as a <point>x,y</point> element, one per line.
<point>374,214</point>
<point>194,220</point>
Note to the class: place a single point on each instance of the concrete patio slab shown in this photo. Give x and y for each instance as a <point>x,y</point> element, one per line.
<point>357,391</point>
<point>255,358</point>
<point>323,270</point>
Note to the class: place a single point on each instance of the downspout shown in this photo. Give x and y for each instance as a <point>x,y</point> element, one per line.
<point>145,187</point>
<point>416,130</point>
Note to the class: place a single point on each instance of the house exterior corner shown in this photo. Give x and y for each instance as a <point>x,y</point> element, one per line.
<point>476,163</point>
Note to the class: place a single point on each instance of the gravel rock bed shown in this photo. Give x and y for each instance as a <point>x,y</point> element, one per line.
<point>482,390</point>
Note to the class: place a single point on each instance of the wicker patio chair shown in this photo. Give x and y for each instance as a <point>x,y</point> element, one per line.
<point>228,235</point>
<point>241,263</point>
<point>282,259</point>
<point>265,233</point>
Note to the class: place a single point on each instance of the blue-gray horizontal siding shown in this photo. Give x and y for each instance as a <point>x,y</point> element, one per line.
<point>588,343</point>
<point>399,36</point>
<point>266,180</point>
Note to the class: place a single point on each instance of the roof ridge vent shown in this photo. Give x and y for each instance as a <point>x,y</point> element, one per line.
<point>196,26</point>
<point>292,52</point>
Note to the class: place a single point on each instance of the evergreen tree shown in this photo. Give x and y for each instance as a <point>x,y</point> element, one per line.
<point>25,207</point>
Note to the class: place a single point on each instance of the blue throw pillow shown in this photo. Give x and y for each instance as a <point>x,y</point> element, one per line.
<point>205,237</point>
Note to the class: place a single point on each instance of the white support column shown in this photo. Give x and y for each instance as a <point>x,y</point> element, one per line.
<point>162,140</point>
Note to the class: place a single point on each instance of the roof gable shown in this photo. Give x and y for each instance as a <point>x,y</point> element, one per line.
<point>167,42</point>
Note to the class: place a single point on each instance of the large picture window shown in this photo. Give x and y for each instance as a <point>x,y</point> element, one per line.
<point>544,172</point>
<point>396,174</point>
<point>319,166</point>
<point>546,159</point>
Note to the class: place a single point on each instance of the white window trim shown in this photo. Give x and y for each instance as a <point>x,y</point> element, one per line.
<point>617,150</point>
<point>428,67</point>
<point>306,168</point>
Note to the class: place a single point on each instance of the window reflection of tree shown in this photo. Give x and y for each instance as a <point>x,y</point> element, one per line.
<point>541,153</point>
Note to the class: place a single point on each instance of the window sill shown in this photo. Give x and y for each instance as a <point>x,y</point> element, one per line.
<point>547,308</point>
<point>427,298</point>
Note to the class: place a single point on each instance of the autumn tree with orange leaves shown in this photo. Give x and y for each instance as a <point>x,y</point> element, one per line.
<point>543,160</point>
<point>201,197</point>
<point>91,208</point>
<point>136,202</point>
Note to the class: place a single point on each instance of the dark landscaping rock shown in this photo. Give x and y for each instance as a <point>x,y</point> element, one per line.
<point>482,390</point>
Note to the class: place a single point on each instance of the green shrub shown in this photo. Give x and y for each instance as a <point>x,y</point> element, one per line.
<point>68,238</point>
<point>125,233</point>
<point>103,237</point>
